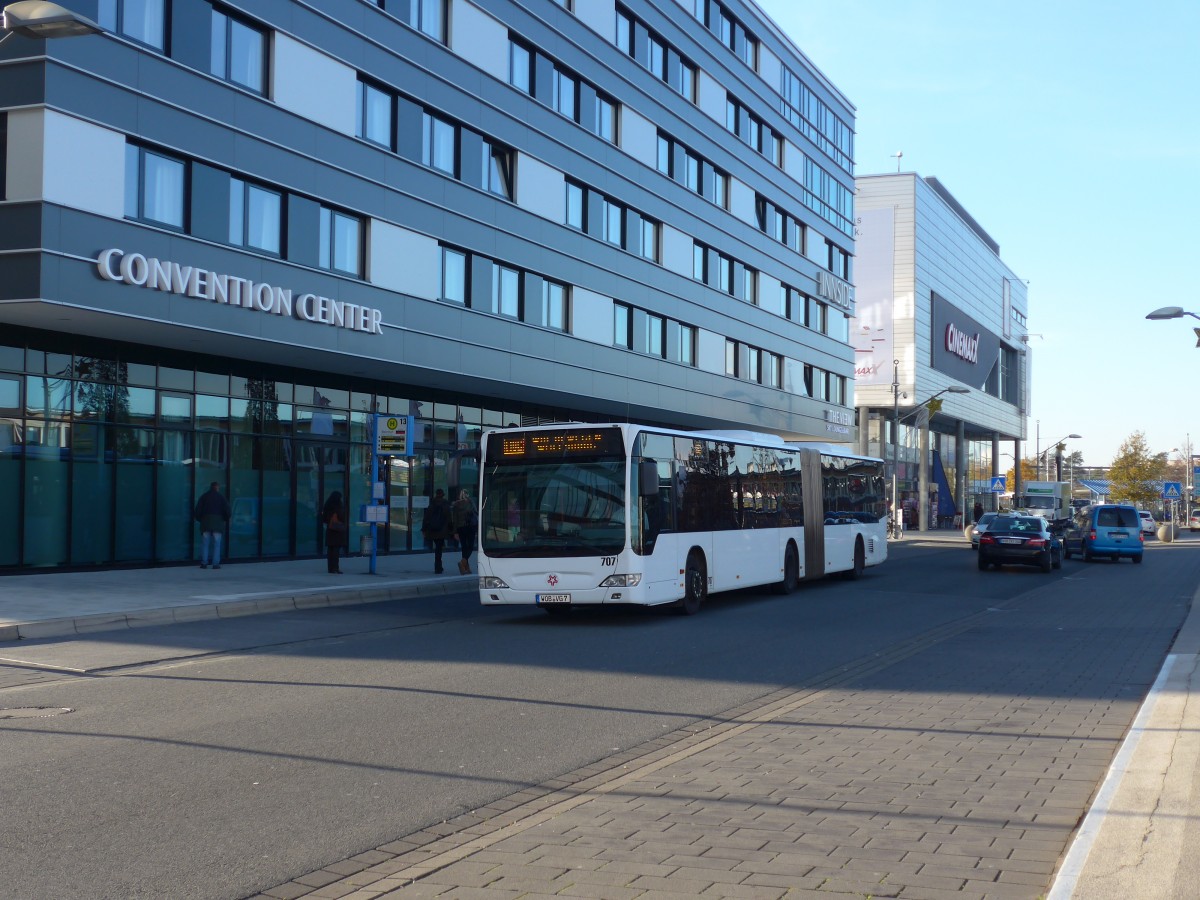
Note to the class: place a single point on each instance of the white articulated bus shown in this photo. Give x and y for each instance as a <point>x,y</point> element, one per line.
<point>574,515</point>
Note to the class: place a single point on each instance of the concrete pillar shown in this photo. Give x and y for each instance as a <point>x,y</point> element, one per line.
<point>961,500</point>
<point>1017,486</point>
<point>923,477</point>
<point>995,504</point>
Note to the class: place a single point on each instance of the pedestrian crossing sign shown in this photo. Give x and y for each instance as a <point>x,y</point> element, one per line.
<point>999,484</point>
<point>1172,490</point>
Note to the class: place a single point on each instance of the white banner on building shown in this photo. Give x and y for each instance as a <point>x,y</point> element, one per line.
<point>871,327</point>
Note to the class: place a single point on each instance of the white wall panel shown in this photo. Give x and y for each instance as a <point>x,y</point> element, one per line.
<point>710,352</point>
<point>541,189</point>
<point>710,97</point>
<point>591,316</point>
<point>402,260</point>
<point>479,39</point>
<point>312,84</point>
<point>639,136</point>
<point>600,16</point>
<point>64,160</point>
<point>741,201</point>
<point>677,250</point>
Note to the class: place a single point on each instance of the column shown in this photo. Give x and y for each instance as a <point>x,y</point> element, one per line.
<point>961,500</point>
<point>995,504</point>
<point>1018,486</point>
<point>923,476</point>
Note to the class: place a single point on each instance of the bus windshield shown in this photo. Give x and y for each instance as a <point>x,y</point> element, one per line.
<point>554,508</point>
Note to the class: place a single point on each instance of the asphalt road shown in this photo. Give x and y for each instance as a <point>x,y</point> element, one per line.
<point>218,759</point>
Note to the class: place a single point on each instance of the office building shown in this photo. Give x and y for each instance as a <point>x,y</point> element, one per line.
<point>231,233</point>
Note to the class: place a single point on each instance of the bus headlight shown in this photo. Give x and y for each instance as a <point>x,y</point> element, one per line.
<point>621,581</point>
<point>491,583</point>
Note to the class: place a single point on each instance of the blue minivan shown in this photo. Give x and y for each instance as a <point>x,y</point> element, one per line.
<point>1106,529</point>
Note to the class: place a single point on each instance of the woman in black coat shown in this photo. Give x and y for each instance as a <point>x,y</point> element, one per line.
<point>337,531</point>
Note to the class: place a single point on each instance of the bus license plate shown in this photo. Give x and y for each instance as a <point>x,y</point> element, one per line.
<point>553,598</point>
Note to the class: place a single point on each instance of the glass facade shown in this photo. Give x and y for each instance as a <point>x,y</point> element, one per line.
<point>104,450</point>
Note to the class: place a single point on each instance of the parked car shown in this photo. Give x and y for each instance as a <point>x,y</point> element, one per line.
<point>1106,529</point>
<point>1024,540</point>
<point>975,529</point>
<point>1194,521</point>
<point>1149,526</point>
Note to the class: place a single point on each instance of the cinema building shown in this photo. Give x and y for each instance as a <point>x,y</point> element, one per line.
<point>938,315</point>
<point>230,233</point>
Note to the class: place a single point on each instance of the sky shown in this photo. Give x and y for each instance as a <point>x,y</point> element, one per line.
<point>1070,131</point>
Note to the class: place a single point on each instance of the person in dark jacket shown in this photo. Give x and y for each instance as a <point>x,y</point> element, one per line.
<point>466,523</point>
<point>435,526</point>
<point>212,512</point>
<point>337,531</point>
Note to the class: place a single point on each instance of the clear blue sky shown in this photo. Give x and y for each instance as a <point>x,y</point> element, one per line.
<point>1070,130</point>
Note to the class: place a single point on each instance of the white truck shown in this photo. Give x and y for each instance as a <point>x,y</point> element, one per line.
<point>1049,499</point>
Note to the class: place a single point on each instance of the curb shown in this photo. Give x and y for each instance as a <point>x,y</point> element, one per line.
<point>217,607</point>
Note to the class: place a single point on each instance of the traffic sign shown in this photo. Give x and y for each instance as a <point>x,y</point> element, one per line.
<point>999,484</point>
<point>1172,490</point>
<point>393,435</point>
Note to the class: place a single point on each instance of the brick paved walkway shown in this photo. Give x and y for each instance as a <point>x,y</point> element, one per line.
<point>937,770</point>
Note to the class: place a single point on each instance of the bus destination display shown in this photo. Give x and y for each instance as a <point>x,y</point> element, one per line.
<point>557,444</point>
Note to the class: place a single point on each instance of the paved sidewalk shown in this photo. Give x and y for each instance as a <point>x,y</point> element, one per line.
<point>67,603</point>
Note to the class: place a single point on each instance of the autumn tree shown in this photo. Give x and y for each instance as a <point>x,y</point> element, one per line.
<point>1134,469</point>
<point>1028,473</point>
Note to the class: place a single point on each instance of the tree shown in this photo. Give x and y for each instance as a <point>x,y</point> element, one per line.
<point>1133,469</point>
<point>1028,473</point>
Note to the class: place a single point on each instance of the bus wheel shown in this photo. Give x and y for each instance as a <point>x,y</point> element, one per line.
<point>860,562</point>
<point>791,571</point>
<point>695,585</point>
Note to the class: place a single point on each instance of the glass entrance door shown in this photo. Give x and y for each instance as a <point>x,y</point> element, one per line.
<point>321,469</point>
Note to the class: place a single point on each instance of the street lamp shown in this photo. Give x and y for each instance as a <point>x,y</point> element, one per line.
<point>1042,454</point>
<point>1174,312</point>
<point>42,19</point>
<point>897,528</point>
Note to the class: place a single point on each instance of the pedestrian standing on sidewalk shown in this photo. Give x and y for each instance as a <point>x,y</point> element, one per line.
<point>436,525</point>
<point>336,531</point>
<point>212,512</point>
<point>466,522</point>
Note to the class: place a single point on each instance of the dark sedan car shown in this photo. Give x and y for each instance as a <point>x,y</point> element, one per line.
<point>1020,540</point>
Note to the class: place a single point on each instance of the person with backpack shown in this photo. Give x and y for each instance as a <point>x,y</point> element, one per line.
<point>466,523</point>
<point>436,526</point>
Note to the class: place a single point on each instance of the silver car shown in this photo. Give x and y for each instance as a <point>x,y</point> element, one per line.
<point>976,529</point>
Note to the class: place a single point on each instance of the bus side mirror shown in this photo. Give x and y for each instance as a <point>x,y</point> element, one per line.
<point>648,478</point>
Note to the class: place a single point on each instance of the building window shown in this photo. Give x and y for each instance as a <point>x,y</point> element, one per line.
<point>506,291</point>
<point>839,262</point>
<point>614,222</point>
<point>566,91</point>
<point>154,187</point>
<point>649,337</point>
<point>772,369</point>
<point>681,343</point>
<point>139,20</point>
<point>255,214</point>
<point>605,124</point>
<point>438,138</point>
<point>817,316</point>
<point>749,285</point>
<point>341,242</point>
<point>815,120</point>
<point>699,262</point>
<point>3,153</point>
<point>497,169</point>
<point>428,17</point>
<point>576,206</point>
<point>454,276</point>
<point>731,358</point>
<point>649,241</point>
<point>374,114</point>
<point>622,319</point>
<point>239,52</point>
<point>725,277</point>
<point>520,66</point>
<point>553,311</point>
